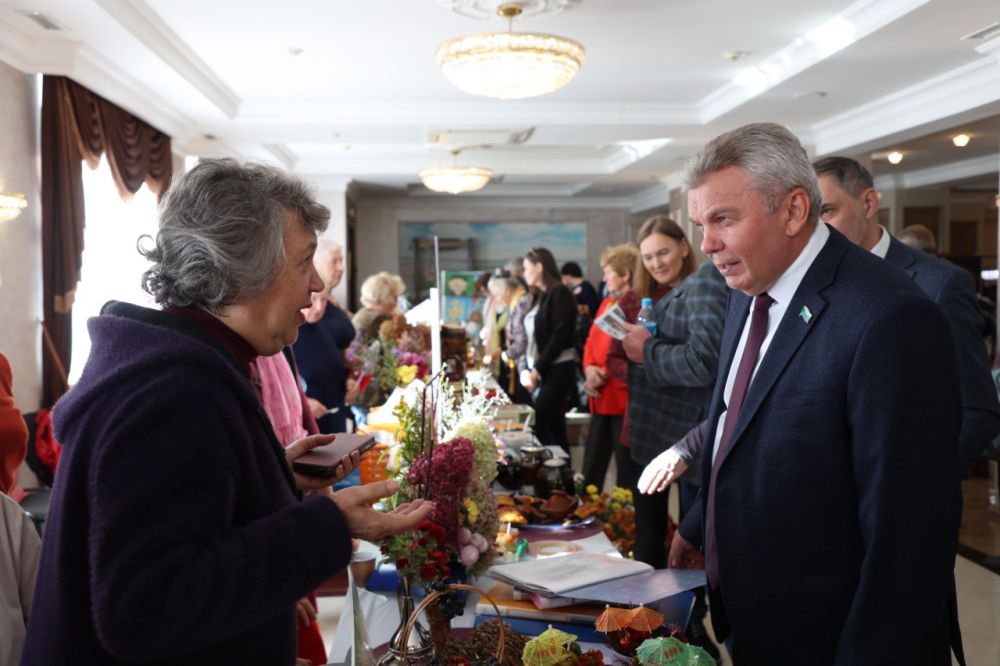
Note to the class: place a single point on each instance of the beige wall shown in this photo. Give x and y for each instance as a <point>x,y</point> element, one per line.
<point>377,242</point>
<point>20,239</point>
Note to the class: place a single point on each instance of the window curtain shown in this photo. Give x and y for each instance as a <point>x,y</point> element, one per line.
<point>78,125</point>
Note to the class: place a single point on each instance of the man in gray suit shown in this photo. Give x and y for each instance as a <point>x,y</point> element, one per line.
<point>850,205</point>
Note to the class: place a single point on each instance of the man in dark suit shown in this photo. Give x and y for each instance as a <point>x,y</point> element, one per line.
<point>826,512</point>
<point>850,205</point>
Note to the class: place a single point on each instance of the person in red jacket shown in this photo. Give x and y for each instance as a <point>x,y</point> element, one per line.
<point>13,434</point>
<point>608,395</point>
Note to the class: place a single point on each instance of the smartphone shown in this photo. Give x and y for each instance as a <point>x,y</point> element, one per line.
<point>324,460</point>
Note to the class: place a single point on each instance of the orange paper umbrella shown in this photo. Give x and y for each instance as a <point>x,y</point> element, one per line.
<point>645,619</point>
<point>613,619</point>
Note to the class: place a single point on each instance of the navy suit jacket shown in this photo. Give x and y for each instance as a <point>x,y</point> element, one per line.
<point>834,520</point>
<point>953,289</point>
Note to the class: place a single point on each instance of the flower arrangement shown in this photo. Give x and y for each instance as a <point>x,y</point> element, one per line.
<point>393,354</point>
<point>455,474</point>
<point>616,510</point>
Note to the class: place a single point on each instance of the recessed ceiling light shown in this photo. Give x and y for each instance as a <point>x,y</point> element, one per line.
<point>733,56</point>
<point>895,157</point>
<point>960,140</point>
<point>812,93</point>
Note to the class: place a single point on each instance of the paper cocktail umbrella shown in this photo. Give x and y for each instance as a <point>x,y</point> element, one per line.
<point>671,652</point>
<point>645,619</point>
<point>613,619</point>
<point>548,649</point>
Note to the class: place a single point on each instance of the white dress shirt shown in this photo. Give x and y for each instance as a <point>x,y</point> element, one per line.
<point>782,292</point>
<point>881,248</point>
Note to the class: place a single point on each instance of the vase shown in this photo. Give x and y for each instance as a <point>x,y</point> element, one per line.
<point>419,648</point>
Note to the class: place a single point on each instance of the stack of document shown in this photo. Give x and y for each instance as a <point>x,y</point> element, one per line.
<point>555,576</point>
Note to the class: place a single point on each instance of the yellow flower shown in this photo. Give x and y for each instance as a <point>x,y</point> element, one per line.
<point>471,510</point>
<point>591,489</point>
<point>406,374</point>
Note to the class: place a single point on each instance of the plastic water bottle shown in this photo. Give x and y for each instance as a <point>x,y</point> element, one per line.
<point>645,317</point>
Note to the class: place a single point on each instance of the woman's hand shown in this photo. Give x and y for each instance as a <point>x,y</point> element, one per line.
<point>634,341</point>
<point>594,378</point>
<point>309,482</point>
<point>363,522</point>
<point>306,611</point>
<point>317,408</point>
<point>352,392</point>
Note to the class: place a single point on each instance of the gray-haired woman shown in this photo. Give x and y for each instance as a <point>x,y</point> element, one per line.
<point>177,531</point>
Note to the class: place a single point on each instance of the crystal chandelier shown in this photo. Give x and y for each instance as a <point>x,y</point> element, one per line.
<point>455,179</point>
<point>510,65</point>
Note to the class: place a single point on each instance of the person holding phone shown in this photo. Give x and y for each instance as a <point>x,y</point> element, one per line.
<point>177,531</point>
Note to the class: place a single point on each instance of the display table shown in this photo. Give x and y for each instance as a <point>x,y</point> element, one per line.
<point>381,612</point>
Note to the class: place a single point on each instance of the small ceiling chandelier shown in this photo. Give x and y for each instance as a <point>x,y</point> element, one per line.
<point>510,65</point>
<point>11,205</point>
<point>455,179</point>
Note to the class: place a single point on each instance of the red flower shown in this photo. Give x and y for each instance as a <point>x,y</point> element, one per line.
<point>422,541</point>
<point>428,571</point>
<point>402,562</point>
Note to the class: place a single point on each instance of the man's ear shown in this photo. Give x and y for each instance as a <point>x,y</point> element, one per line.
<point>870,199</point>
<point>796,211</point>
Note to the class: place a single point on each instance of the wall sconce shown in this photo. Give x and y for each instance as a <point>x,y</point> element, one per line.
<point>11,205</point>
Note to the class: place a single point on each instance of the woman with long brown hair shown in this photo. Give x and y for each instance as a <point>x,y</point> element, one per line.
<point>551,356</point>
<point>670,374</point>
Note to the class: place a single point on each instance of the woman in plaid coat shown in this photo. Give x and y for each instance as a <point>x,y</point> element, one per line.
<point>670,373</point>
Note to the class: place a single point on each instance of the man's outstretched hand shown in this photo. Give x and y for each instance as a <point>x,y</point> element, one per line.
<point>366,523</point>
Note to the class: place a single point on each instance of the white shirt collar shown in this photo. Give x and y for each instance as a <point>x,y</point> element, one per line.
<point>881,248</point>
<point>786,285</point>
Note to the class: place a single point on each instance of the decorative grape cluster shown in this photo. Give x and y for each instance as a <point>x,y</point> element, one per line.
<point>451,603</point>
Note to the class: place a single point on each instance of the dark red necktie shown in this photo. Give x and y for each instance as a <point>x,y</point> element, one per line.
<point>744,373</point>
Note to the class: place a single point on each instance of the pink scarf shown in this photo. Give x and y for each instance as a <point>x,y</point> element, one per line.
<point>280,395</point>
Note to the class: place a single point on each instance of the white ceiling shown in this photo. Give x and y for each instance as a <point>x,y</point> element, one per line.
<point>342,90</point>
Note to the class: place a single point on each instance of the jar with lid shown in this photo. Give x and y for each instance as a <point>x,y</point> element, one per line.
<point>532,458</point>
<point>551,477</point>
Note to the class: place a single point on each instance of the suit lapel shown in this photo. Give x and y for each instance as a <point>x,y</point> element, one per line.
<point>801,316</point>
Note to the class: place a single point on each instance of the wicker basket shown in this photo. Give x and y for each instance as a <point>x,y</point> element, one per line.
<point>432,597</point>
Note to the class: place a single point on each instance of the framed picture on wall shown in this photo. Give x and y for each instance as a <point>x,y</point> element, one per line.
<point>481,246</point>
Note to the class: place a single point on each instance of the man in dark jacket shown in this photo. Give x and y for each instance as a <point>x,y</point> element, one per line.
<point>829,510</point>
<point>177,533</point>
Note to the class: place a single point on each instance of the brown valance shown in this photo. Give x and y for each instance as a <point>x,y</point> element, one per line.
<point>78,125</point>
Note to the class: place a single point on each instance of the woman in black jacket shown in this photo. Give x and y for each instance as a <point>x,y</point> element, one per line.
<point>551,354</point>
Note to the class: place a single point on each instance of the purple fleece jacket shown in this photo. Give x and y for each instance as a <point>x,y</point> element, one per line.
<point>175,534</point>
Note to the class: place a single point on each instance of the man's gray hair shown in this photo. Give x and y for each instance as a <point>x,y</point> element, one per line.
<point>770,155</point>
<point>221,233</point>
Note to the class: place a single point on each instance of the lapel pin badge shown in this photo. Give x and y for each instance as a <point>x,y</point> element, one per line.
<point>806,314</point>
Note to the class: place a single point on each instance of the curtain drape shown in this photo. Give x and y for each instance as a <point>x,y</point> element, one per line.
<point>79,125</point>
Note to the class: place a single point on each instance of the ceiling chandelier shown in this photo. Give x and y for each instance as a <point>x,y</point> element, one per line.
<point>510,65</point>
<point>455,179</point>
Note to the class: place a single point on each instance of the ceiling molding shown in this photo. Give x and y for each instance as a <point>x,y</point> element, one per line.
<point>941,174</point>
<point>282,154</point>
<point>991,47</point>
<point>510,190</point>
<point>15,46</point>
<point>474,114</point>
<point>485,201</point>
<point>146,26</point>
<point>656,196</point>
<point>961,89</point>
<point>848,27</point>
<point>361,165</point>
<point>93,70</point>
